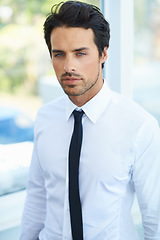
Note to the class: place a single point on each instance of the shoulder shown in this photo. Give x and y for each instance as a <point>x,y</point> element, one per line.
<point>129,109</point>
<point>131,118</point>
<point>141,127</point>
<point>52,111</point>
<point>51,107</point>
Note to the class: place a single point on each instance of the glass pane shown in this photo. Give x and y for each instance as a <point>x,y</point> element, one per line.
<point>147,55</point>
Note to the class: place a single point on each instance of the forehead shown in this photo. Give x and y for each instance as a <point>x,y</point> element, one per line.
<point>75,37</point>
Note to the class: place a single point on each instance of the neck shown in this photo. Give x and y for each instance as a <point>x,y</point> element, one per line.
<point>80,100</point>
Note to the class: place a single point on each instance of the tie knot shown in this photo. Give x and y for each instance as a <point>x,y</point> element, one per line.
<point>78,115</point>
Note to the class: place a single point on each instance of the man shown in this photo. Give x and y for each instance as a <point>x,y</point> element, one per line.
<point>120,148</point>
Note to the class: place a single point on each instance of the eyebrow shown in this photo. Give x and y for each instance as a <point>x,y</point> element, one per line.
<point>80,49</point>
<point>75,50</point>
<point>56,51</point>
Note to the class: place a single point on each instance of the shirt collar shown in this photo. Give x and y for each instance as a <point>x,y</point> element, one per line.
<point>94,107</point>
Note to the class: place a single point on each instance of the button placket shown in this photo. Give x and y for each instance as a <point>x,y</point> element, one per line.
<point>66,220</point>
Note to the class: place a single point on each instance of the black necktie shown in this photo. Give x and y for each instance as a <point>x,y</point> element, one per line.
<point>74,198</point>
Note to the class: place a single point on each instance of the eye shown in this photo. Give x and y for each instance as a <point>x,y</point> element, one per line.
<point>81,54</point>
<point>58,55</point>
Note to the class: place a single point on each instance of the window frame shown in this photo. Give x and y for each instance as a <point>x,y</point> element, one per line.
<point>119,65</point>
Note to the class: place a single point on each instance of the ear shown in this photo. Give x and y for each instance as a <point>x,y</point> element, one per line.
<point>104,55</point>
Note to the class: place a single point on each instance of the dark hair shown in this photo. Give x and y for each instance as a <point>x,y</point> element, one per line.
<point>78,14</point>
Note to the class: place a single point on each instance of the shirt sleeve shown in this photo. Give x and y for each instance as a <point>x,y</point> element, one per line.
<point>146,177</point>
<point>35,205</point>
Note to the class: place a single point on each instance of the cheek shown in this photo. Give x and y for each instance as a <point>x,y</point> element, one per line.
<point>57,68</point>
<point>91,67</point>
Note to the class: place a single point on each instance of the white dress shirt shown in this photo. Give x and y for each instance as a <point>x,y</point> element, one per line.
<point>120,155</point>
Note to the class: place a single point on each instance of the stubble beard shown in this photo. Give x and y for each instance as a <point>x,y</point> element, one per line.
<point>84,87</point>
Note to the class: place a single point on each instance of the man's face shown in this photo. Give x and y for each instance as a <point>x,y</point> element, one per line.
<point>76,62</point>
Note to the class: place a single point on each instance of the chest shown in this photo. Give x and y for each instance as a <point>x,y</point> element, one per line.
<point>105,155</point>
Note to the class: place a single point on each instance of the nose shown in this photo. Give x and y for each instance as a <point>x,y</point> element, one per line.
<point>69,65</point>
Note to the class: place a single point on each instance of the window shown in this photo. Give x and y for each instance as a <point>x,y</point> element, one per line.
<point>146,74</point>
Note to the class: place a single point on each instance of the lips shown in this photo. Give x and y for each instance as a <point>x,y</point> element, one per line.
<point>71,80</point>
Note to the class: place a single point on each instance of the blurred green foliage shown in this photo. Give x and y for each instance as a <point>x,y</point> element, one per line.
<point>146,30</point>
